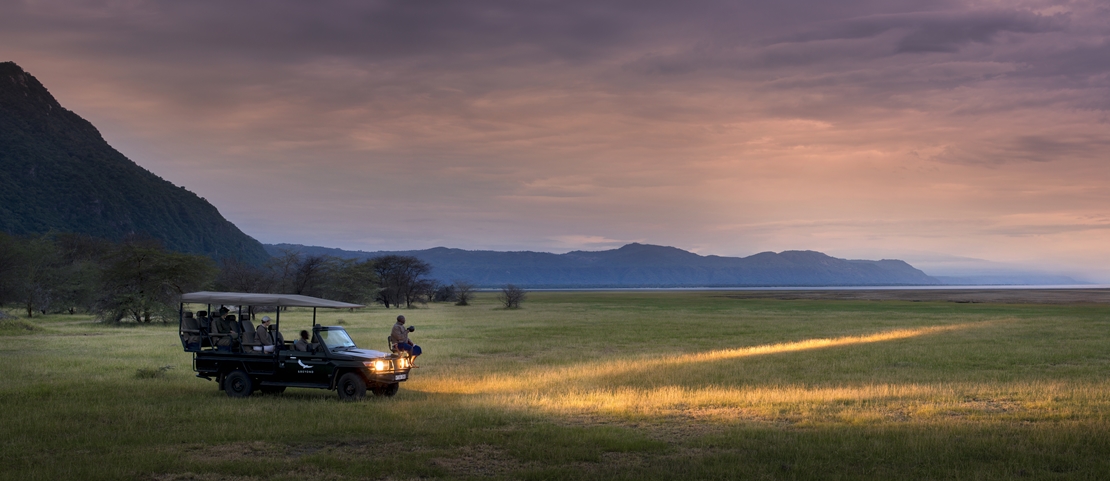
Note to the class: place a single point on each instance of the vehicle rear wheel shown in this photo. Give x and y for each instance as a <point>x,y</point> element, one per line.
<point>351,387</point>
<point>238,384</point>
<point>391,389</point>
<point>272,389</point>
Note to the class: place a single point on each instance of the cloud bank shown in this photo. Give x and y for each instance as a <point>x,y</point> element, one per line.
<point>860,128</point>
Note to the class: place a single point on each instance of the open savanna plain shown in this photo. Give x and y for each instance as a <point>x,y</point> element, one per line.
<point>599,385</point>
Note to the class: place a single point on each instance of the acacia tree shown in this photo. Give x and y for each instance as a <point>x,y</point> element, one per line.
<point>9,264</point>
<point>442,292</point>
<point>402,279</point>
<point>511,296</point>
<point>143,281</point>
<point>310,274</point>
<point>283,268</point>
<point>238,276</point>
<point>36,273</point>
<point>80,260</point>
<point>351,281</point>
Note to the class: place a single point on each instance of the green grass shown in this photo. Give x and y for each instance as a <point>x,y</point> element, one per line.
<point>656,385</point>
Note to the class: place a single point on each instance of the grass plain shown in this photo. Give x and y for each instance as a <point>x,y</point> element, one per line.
<point>597,385</point>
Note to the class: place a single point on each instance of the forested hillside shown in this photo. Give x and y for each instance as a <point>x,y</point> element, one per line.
<point>58,174</point>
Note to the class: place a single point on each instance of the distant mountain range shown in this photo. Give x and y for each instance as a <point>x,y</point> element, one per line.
<point>58,174</point>
<point>643,265</point>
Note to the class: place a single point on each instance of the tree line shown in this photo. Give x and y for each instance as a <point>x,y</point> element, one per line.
<point>139,279</point>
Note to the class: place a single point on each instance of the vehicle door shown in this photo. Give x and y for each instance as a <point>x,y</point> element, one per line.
<point>304,367</point>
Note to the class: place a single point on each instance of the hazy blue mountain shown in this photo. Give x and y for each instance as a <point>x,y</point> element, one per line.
<point>641,265</point>
<point>1015,279</point>
<point>58,174</point>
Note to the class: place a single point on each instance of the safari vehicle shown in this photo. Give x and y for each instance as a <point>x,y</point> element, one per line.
<point>235,360</point>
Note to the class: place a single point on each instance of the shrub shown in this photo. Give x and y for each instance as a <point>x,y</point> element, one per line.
<point>511,296</point>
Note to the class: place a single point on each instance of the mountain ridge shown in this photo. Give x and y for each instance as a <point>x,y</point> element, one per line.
<point>643,265</point>
<point>57,173</point>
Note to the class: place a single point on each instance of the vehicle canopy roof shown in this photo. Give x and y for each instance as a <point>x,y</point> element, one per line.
<point>252,299</point>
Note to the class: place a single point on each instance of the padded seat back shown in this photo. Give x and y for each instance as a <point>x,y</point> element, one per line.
<point>190,330</point>
<point>249,338</point>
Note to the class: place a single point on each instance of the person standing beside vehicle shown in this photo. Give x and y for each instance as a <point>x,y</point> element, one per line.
<point>400,336</point>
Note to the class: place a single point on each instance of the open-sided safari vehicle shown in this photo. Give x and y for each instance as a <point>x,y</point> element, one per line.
<point>229,353</point>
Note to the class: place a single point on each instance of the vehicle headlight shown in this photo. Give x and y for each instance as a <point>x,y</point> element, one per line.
<point>375,365</point>
<point>402,363</point>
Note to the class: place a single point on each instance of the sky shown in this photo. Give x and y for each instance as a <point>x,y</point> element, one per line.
<point>955,135</point>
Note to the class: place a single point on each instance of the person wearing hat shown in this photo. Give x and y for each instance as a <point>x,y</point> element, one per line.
<point>400,336</point>
<point>262,334</point>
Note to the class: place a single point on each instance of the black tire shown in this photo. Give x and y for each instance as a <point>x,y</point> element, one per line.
<point>238,384</point>
<point>391,389</point>
<point>351,387</point>
<point>272,389</point>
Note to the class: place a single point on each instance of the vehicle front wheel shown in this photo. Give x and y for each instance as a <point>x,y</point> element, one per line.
<point>391,389</point>
<point>238,384</point>
<point>351,387</point>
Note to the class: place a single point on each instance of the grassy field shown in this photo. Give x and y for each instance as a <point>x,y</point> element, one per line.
<point>621,385</point>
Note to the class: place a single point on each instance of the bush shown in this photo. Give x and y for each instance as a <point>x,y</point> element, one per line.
<point>464,292</point>
<point>9,326</point>
<point>511,296</point>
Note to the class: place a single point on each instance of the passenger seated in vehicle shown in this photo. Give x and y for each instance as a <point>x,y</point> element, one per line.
<point>302,343</point>
<point>262,335</point>
<point>225,332</point>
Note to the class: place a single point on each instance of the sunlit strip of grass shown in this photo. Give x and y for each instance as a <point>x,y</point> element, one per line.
<point>538,378</point>
<point>867,404</point>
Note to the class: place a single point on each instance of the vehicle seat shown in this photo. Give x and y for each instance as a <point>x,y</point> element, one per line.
<point>249,338</point>
<point>392,345</point>
<point>190,331</point>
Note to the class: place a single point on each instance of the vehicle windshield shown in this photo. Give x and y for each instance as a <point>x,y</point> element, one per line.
<point>336,340</point>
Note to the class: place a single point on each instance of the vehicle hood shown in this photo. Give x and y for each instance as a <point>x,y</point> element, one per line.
<point>362,353</point>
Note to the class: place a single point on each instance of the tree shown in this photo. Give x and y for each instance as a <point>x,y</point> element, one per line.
<point>283,270</point>
<point>238,276</point>
<point>464,293</point>
<point>351,281</point>
<point>443,292</point>
<point>511,296</point>
<point>10,250</point>
<point>36,274</point>
<point>310,274</point>
<point>402,279</point>
<point>143,281</point>
<point>81,258</point>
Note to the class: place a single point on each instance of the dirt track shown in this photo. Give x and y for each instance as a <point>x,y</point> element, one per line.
<point>1008,296</point>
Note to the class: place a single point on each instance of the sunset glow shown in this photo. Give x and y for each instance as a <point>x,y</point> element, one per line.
<point>955,135</point>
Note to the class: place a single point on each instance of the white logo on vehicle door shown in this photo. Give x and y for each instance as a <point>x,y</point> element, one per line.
<point>306,366</point>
